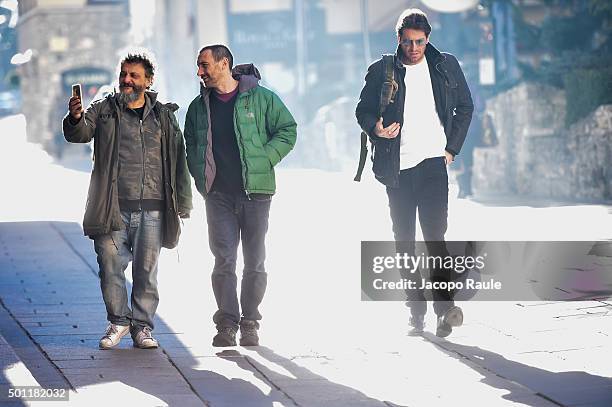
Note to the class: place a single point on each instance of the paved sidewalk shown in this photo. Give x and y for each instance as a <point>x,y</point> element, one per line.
<point>53,294</point>
<point>535,354</point>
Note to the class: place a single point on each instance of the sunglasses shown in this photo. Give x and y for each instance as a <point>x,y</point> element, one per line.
<point>416,43</point>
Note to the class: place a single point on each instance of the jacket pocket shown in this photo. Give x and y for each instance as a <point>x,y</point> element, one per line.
<point>171,229</point>
<point>98,209</point>
<point>382,165</point>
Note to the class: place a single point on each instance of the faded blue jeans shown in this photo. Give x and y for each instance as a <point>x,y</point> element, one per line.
<point>231,219</point>
<point>139,242</point>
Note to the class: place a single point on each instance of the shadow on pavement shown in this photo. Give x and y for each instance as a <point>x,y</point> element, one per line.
<point>294,383</point>
<point>561,388</point>
<point>51,288</point>
<point>49,284</point>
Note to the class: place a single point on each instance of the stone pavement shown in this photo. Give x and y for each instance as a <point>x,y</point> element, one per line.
<point>52,315</point>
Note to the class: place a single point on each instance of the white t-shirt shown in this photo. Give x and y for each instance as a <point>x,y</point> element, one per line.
<point>422,133</point>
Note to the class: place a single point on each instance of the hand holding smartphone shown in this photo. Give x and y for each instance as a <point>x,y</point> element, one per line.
<point>74,105</point>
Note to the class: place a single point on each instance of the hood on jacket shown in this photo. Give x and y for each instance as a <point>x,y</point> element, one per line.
<point>247,75</point>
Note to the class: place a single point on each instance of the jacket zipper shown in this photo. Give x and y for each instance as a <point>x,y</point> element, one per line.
<point>171,148</point>
<point>243,159</point>
<point>115,172</point>
<point>142,142</point>
<point>206,106</point>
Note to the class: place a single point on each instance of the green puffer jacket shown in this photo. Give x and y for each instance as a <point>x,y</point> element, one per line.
<point>265,132</point>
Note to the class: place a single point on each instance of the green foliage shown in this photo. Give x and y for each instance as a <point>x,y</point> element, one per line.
<point>575,53</point>
<point>560,34</point>
<point>601,8</point>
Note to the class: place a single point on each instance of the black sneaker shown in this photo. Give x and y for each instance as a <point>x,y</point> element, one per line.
<point>417,322</point>
<point>226,336</point>
<point>248,333</point>
<point>451,318</point>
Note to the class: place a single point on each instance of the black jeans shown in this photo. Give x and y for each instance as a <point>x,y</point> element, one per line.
<point>424,187</point>
<point>232,218</point>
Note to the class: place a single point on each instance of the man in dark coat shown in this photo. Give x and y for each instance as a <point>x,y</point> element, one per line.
<point>139,188</point>
<point>418,135</point>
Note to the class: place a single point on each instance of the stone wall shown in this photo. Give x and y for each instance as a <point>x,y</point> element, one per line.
<point>537,156</point>
<point>526,116</point>
<point>62,38</point>
<point>590,144</point>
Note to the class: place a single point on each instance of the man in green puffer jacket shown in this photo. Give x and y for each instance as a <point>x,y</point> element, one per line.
<point>236,131</point>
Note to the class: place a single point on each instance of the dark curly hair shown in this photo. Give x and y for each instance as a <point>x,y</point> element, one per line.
<point>143,58</point>
<point>415,19</point>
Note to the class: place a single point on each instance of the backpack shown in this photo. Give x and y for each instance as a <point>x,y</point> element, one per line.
<point>387,93</point>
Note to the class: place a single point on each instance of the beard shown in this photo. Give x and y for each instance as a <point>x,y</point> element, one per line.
<point>131,97</point>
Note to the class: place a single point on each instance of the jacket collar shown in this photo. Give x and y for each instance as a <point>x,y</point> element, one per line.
<point>152,103</point>
<point>152,96</point>
<point>431,53</point>
<point>150,99</point>
<point>247,75</point>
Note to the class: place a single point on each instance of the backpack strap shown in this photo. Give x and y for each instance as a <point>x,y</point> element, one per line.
<point>389,86</point>
<point>363,154</point>
<point>387,94</point>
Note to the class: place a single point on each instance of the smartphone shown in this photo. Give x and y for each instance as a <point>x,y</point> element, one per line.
<point>76,91</point>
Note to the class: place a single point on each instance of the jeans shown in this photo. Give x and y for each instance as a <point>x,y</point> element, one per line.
<point>425,187</point>
<point>139,242</point>
<point>233,218</point>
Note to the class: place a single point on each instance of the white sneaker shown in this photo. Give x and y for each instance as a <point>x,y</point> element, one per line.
<point>144,339</point>
<point>113,335</point>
